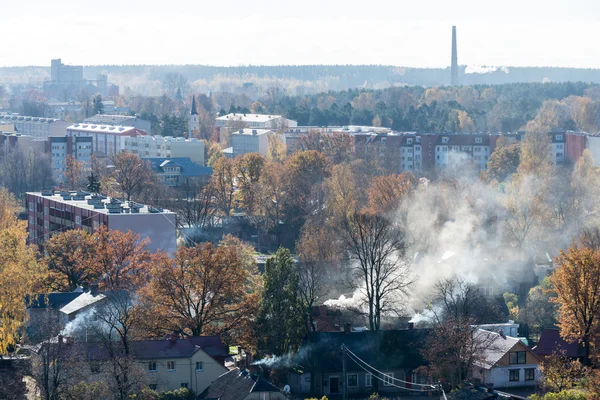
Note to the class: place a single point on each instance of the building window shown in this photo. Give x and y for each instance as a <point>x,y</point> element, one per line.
<point>409,141</point>
<point>152,386</point>
<point>517,357</point>
<point>558,137</point>
<point>95,367</point>
<point>368,380</point>
<point>514,375</point>
<point>199,366</point>
<point>152,366</point>
<point>478,140</point>
<point>530,374</point>
<point>78,219</point>
<point>444,140</point>
<point>170,365</point>
<point>184,385</point>
<point>388,379</point>
<point>352,380</point>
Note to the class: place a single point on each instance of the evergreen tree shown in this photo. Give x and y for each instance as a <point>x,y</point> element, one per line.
<point>93,184</point>
<point>280,322</point>
<point>98,105</point>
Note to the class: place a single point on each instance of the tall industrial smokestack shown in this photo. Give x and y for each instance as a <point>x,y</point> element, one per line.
<point>454,64</point>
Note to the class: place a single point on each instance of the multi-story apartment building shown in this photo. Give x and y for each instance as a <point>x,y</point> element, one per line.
<point>34,126</point>
<point>106,139</point>
<point>23,142</point>
<point>260,121</point>
<point>51,212</point>
<point>250,141</point>
<point>558,140</point>
<point>78,147</point>
<point>164,147</point>
<point>399,152</point>
<point>119,120</point>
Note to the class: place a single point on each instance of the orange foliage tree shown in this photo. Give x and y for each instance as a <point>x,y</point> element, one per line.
<point>67,256</point>
<point>202,290</point>
<point>386,191</point>
<point>576,282</point>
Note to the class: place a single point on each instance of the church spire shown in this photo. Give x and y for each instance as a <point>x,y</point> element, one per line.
<point>194,111</point>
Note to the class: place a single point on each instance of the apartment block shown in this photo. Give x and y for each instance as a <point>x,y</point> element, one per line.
<point>119,120</point>
<point>164,147</point>
<point>250,141</point>
<point>78,147</point>
<point>34,126</point>
<point>50,212</point>
<point>106,139</point>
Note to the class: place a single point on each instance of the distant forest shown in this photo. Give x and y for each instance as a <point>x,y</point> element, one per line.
<point>300,79</point>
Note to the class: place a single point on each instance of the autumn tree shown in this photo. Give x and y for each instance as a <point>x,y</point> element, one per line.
<point>273,198</point>
<point>337,146</point>
<point>576,283</point>
<point>249,168</point>
<point>194,204</point>
<point>213,153</point>
<point>526,211</point>
<point>316,252</point>
<point>385,192</point>
<point>20,272</point>
<point>276,150</point>
<point>503,162</point>
<point>202,290</point>
<point>68,255</point>
<point>73,173</point>
<point>280,323</point>
<point>119,259</point>
<point>131,173</point>
<point>560,372</point>
<point>222,183</point>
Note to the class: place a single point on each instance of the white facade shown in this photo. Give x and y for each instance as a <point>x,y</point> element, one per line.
<point>592,143</point>
<point>34,126</point>
<point>256,121</point>
<point>79,148</point>
<point>163,147</point>
<point>250,141</point>
<point>501,376</point>
<point>558,148</point>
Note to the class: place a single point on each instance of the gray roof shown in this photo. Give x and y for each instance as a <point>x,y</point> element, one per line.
<point>495,346</point>
<point>236,385</point>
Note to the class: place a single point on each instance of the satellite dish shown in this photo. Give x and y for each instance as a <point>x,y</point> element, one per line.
<point>286,389</point>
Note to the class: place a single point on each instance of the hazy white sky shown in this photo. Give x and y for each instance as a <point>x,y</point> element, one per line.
<point>240,32</point>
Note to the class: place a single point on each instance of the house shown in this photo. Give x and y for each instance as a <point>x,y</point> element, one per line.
<point>551,341</point>
<point>505,361</point>
<point>396,353</point>
<point>177,171</point>
<point>213,346</point>
<point>162,364</point>
<point>45,308</point>
<point>241,385</point>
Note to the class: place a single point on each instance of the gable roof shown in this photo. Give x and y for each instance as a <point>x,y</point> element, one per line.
<point>390,349</point>
<point>495,346</point>
<point>212,345</point>
<point>188,167</point>
<point>236,385</point>
<point>550,341</point>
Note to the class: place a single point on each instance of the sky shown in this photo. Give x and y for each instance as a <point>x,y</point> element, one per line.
<point>414,33</point>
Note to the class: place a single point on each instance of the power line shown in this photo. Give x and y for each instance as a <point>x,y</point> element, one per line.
<point>383,373</point>
<point>388,383</point>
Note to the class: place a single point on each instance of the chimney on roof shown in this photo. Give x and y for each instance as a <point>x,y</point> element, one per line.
<point>501,333</point>
<point>94,289</point>
<point>347,328</point>
<point>411,325</point>
<point>323,310</point>
<point>172,337</point>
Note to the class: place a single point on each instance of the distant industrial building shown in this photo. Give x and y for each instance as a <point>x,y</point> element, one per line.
<point>66,82</point>
<point>51,212</point>
<point>34,126</point>
<point>454,60</point>
<point>119,120</point>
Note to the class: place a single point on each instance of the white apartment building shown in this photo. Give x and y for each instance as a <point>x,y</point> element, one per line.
<point>456,149</point>
<point>79,147</point>
<point>164,147</point>
<point>255,121</point>
<point>558,148</point>
<point>34,126</point>
<point>250,141</point>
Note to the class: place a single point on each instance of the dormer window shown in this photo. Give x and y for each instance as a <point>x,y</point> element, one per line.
<point>478,140</point>
<point>444,139</point>
<point>558,137</point>
<point>409,141</point>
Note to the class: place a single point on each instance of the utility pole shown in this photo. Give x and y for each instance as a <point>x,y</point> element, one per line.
<point>344,386</point>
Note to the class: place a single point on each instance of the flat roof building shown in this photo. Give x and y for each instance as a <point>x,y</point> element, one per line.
<point>51,212</point>
<point>35,126</point>
<point>255,121</point>
<point>119,120</point>
<point>250,141</point>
